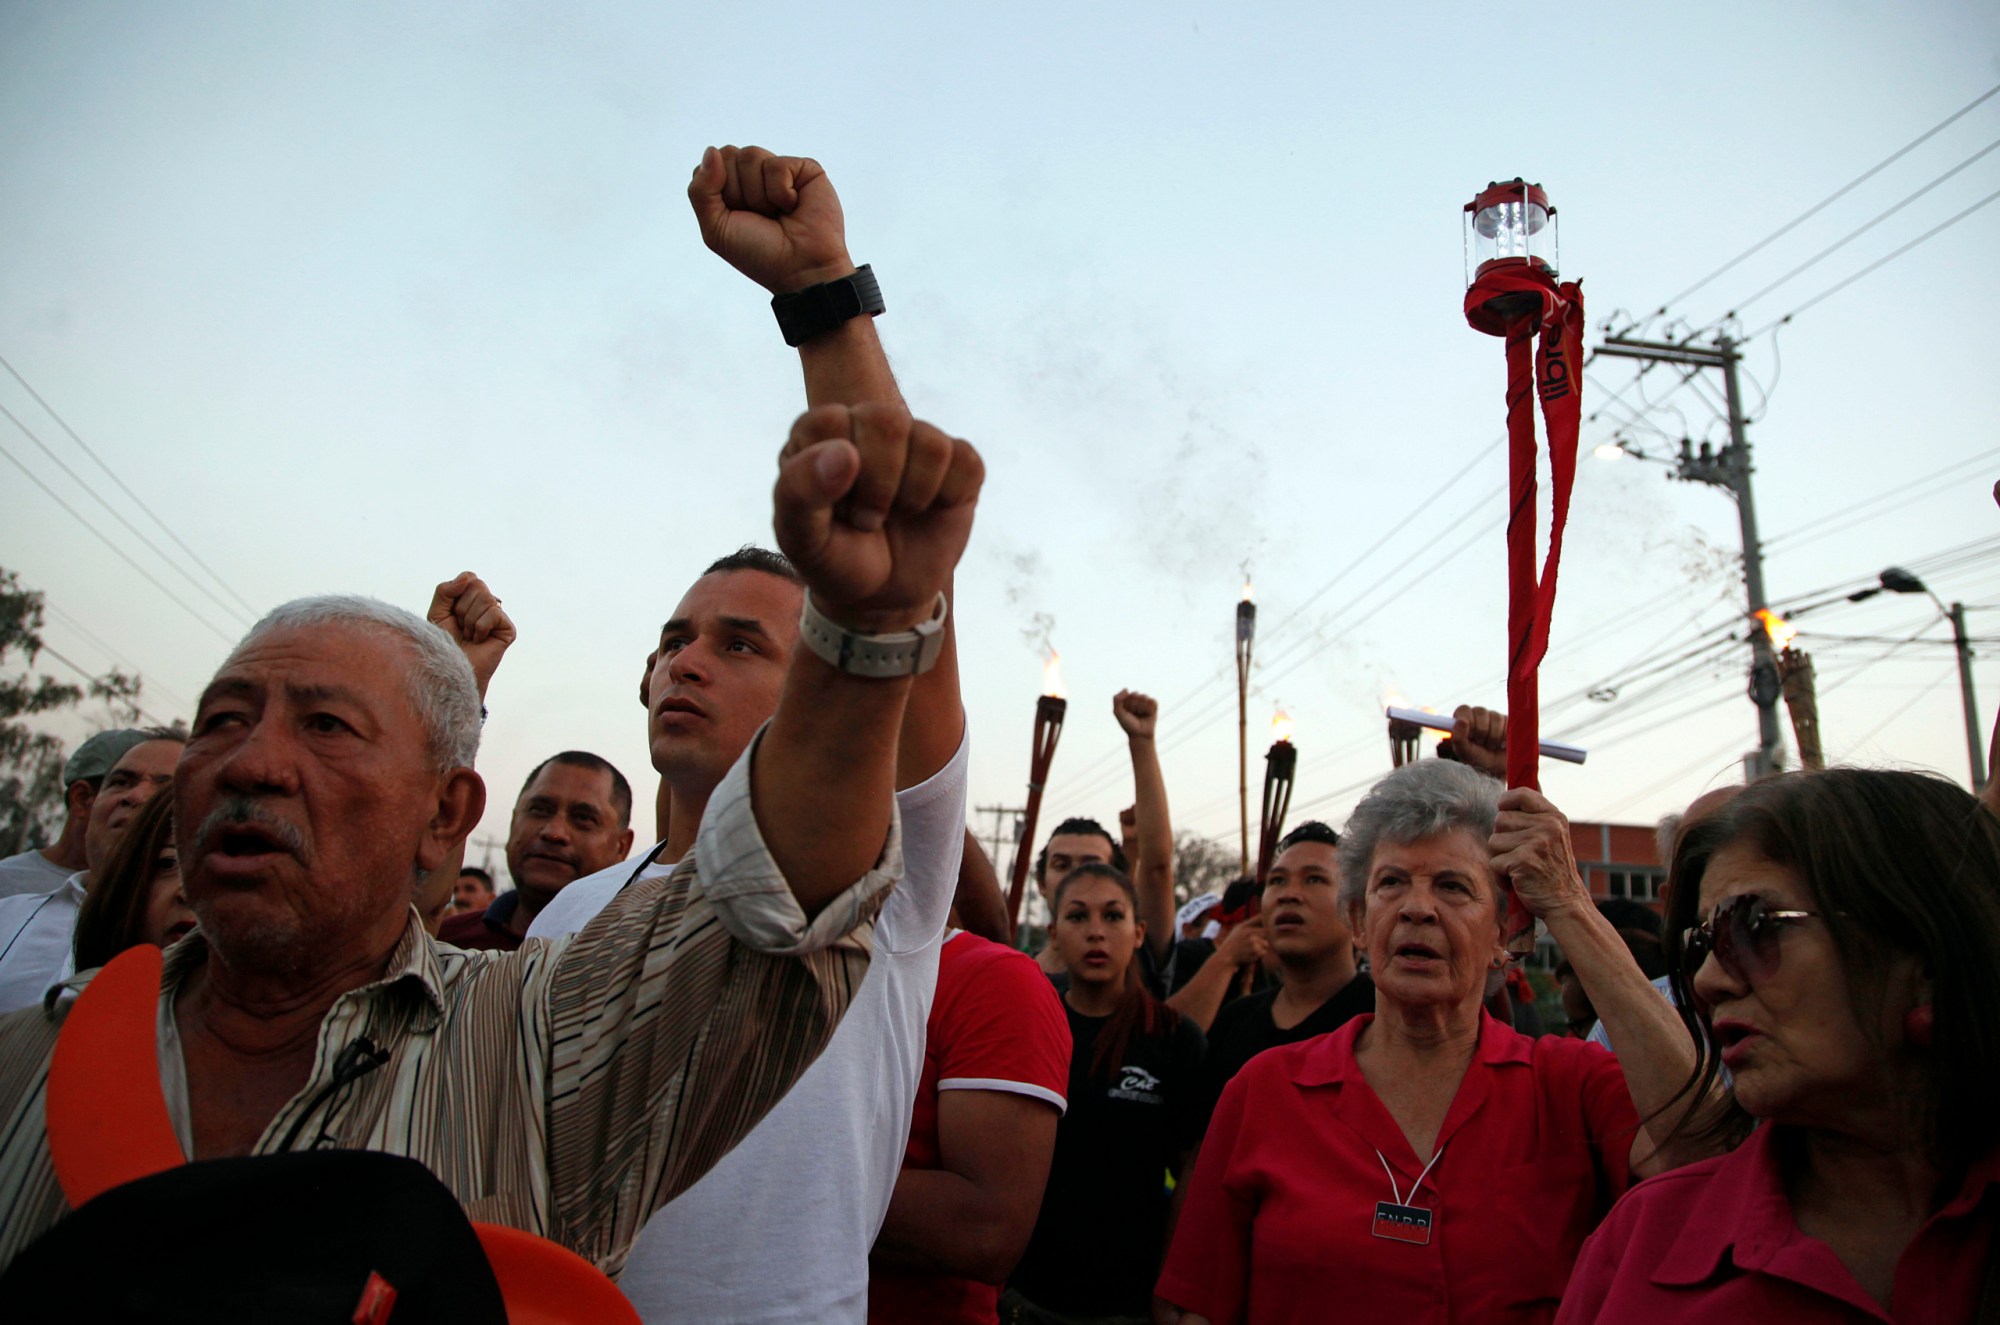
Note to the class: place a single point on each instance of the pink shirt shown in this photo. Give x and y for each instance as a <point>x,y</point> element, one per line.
<point>1279,1226</point>
<point>1716,1241</point>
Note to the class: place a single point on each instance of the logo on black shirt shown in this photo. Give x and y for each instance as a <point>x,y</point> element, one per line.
<point>1138,1085</point>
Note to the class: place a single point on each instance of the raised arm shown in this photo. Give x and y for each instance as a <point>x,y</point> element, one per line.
<point>1153,880</point>
<point>981,906</point>
<point>778,220</point>
<point>1531,846</point>
<point>874,509</point>
<point>464,608</point>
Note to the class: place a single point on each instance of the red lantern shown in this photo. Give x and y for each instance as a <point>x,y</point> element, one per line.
<point>1513,293</point>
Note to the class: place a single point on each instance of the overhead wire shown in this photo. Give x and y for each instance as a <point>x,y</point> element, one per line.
<point>1854,234</point>
<point>121,553</point>
<point>124,487</point>
<point>1100,769</point>
<point>242,617</point>
<point>1950,674</point>
<point>1876,265</point>
<point>1833,197</point>
<point>1948,475</point>
<point>79,669</point>
<point>70,622</point>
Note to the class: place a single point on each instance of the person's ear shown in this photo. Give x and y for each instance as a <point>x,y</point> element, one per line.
<point>78,798</point>
<point>461,800</point>
<point>625,844</point>
<point>1140,927</point>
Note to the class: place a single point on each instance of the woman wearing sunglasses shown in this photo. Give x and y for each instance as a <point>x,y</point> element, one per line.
<point>1837,936</point>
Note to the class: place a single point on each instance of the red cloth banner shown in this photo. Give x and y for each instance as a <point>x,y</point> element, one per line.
<point>1517,301</point>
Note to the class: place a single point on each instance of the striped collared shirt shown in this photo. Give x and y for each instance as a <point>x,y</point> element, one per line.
<point>569,1088</point>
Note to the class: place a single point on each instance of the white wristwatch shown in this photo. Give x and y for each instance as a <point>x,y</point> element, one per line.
<point>905,653</point>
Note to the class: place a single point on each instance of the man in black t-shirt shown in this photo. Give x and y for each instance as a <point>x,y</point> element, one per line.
<point>1319,989</point>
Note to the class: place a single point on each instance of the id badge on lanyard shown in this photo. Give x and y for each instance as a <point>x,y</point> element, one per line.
<point>1400,1220</point>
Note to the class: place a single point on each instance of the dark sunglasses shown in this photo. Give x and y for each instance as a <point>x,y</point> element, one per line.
<point>1743,934</point>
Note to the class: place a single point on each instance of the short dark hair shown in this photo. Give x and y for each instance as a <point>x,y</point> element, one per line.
<point>1082,827</point>
<point>478,873</point>
<point>1312,830</point>
<point>621,790</point>
<point>752,557</point>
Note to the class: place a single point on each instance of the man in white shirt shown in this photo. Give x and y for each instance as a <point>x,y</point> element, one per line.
<point>37,929</point>
<point>38,870</point>
<point>780,1229</point>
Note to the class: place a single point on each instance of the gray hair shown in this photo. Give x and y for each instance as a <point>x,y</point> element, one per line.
<point>1416,801</point>
<point>1665,834</point>
<point>442,688</point>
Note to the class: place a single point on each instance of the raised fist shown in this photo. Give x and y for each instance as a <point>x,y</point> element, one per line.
<point>1138,714</point>
<point>465,609</point>
<point>1479,739</point>
<point>776,219</point>
<point>1531,848</point>
<point>874,508</point>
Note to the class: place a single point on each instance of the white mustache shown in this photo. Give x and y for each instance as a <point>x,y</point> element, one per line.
<point>241,811</point>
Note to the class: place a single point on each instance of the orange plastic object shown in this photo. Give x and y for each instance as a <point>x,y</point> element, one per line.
<point>548,1284</point>
<point>106,1114</point>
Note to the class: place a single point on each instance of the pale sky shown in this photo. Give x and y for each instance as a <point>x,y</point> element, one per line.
<point>357,296</point>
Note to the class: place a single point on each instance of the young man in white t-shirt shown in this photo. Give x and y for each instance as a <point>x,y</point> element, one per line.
<point>780,1229</point>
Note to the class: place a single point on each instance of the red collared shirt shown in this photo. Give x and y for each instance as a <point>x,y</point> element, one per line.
<point>1716,1241</point>
<point>1279,1223</point>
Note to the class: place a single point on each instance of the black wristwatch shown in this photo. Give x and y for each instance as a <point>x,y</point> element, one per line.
<point>818,309</point>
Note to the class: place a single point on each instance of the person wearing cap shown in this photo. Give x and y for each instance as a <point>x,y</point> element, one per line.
<point>37,870</point>
<point>1192,921</point>
<point>36,928</point>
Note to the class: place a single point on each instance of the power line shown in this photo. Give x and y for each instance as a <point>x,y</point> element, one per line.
<point>1096,773</point>
<point>119,516</point>
<point>1950,474</point>
<point>1876,265</point>
<point>154,719</point>
<point>1854,234</point>
<point>123,555</point>
<point>1834,197</point>
<point>1950,674</point>
<point>112,654</point>
<point>63,423</point>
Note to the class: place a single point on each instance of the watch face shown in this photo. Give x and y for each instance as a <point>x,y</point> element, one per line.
<point>843,301</point>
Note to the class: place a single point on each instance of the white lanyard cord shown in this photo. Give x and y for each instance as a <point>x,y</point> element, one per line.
<point>1396,1191</point>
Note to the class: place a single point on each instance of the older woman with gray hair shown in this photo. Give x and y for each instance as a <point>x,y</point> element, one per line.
<point>1428,1163</point>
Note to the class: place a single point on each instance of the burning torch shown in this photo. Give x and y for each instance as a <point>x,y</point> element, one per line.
<point>1795,683</point>
<point>1246,634</point>
<point>1281,763</point>
<point>1050,707</point>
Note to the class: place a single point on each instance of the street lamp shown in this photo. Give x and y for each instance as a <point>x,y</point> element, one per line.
<point>1897,580</point>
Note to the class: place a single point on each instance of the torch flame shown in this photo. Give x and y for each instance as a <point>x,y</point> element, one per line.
<point>1780,630</point>
<point>1052,682</point>
<point>1281,726</point>
<point>1247,589</point>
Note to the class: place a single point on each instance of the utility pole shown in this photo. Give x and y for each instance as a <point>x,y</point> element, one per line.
<point>1729,469</point>
<point>1004,829</point>
<point>1957,615</point>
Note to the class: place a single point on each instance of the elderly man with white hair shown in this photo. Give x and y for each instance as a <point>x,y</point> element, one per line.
<point>572,1087</point>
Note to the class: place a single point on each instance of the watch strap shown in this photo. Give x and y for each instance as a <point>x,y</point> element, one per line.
<point>818,309</point>
<point>903,653</point>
